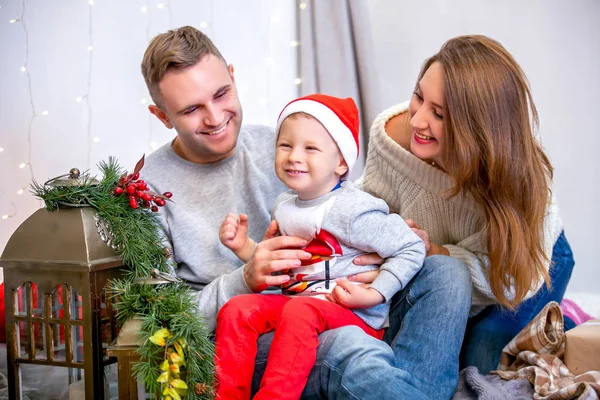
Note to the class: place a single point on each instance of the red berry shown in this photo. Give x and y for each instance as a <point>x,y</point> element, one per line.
<point>118,190</point>
<point>154,208</point>
<point>160,202</point>
<point>133,202</point>
<point>123,180</point>
<point>145,204</point>
<point>130,189</point>
<point>168,195</point>
<point>139,193</point>
<point>135,176</point>
<point>146,197</point>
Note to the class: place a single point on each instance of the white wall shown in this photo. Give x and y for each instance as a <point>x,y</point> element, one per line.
<point>557,43</point>
<point>254,36</point>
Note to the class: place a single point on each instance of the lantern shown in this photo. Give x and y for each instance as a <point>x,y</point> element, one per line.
<point>56,269</point>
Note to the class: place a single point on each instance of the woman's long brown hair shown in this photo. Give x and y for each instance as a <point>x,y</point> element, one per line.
<point>493,156</point>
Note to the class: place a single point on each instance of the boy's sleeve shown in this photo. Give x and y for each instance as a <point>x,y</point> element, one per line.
<point>389,236</point>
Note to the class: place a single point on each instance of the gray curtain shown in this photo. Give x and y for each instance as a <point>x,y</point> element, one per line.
<point>336,57</point>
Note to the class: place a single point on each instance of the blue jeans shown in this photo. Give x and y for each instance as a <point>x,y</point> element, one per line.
<point>418,358</point>
<point>492,329</point>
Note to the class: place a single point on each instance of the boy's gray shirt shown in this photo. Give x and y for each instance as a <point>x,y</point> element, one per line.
<point>203,194</point>
<point>362,224</point>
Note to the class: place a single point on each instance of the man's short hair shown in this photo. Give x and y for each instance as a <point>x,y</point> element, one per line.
<point>174,50</point>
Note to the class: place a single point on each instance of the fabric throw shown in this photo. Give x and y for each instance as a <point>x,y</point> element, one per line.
<point>535,354</point>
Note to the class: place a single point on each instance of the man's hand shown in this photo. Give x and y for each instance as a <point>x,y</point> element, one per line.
<point>430,248</point>
<point>350,295</point>
<point>234,235</point>
<point>272,256</point>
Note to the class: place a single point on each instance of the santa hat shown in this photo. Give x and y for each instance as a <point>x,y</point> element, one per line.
<point>338,116</point>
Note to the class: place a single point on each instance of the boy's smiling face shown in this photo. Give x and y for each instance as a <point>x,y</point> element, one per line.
<point>307,158</point>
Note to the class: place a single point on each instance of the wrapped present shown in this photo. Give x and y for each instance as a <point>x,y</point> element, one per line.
<point>582,352</point>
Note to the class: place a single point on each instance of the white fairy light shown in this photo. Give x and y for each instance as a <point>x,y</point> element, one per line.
<point>78,99</point>
<point>22,165</point>
<point>5,216</point>
<point>23,69</point>
<point>294,43</point>
<point>144,9</point>
<point>153,145</point>
<point>297,81</point>
<point>1,149</point>
<point>203,25</point>
<point>143,100</point>
<point>302,6</point>
<point>12,21</point>
<point>90,48</point>
<point>91,2</point>
<point>20,192</point>
<point>96,139</point>
<point>160,5</point>
<point>44,113</point>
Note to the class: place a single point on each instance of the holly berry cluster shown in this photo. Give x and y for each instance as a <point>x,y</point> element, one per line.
<point>139,194</point>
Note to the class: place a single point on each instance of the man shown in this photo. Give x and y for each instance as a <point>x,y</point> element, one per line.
<point>213,167</point>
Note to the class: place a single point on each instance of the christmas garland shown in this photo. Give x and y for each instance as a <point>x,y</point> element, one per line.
<point>176,353</point>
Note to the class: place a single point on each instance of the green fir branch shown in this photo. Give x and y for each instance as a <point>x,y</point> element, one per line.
<point>137,239</point>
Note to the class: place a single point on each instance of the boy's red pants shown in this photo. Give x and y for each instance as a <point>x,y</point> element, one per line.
<point>297,323</point>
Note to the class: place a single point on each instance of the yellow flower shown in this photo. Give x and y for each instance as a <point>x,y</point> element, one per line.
<point>165,365</point>
<point>178,383</point>
<point>164,377</point>
<point>158,338</point>
<point>179,349</point>
<point>176,358</point>
<point>174,394</point>
<point>174,368</point>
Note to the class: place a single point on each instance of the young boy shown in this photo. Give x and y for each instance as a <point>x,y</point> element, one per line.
<point>317,145</point>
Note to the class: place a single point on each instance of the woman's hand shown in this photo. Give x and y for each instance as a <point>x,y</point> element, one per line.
<point>430,247</point>
<point>369,276</point>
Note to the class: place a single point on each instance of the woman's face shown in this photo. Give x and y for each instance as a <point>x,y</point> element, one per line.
<point>426,116</point>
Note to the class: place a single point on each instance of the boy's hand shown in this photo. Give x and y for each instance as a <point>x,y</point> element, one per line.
<point>350,295</point>
<point>234,232</point>
<point>234,235</point>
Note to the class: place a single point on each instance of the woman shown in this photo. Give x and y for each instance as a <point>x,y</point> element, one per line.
<point>464,168</point>
<point>460,163</point>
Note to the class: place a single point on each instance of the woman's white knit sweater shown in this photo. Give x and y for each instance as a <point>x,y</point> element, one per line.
<point>417,190</point>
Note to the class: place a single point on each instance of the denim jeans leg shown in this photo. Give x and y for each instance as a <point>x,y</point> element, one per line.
<point>492,329</point>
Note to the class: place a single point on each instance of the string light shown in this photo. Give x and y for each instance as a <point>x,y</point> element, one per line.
<point>1,149</point>
<point>302,6</point>
<point>78,99</point>
<point>20,191</point>
<point>22,165</point>
<point>13,21</point>
<point>297,81</point>
<point>143,101</point>
<point>96,139</point>
<point>23,69</point>
<point>294,43</point>
<point>160,6</point>
<point>44,113</point>
<point>91,2</point>
<point>203,24</point>
<point>144,9</point>
<point>86,95</point>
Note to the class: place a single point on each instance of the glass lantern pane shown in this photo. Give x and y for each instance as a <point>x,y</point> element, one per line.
<point>58,340</point>
<point>22,336</point>
<point>37,301</point>
<point>76,313</point>
<point>20,299</point>
<point>40,341</point>
<point>57,302</point>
